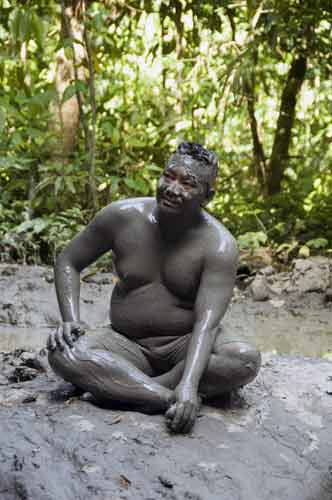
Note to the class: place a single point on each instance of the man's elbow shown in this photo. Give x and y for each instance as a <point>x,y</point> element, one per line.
<point>64,262</point>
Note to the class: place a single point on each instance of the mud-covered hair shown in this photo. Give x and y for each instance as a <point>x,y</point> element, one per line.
<point>201,154</point>
<point>207,160</point>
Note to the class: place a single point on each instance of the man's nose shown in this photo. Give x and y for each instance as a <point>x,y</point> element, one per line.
<point>175,188</point>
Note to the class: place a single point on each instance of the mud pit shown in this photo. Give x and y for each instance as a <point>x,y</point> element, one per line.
<point>271,441</point>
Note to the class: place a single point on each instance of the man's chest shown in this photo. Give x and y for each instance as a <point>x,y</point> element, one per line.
<point>146,258</point>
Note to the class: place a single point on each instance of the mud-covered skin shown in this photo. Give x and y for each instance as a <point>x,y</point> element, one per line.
<point>176,266</point>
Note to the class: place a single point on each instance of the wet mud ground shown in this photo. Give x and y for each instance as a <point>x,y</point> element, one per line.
<point>270,441</point>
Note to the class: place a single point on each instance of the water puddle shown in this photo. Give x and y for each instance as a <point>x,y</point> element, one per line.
<point>300,342</point>
<point>313,345</point>
<point>23,338</point>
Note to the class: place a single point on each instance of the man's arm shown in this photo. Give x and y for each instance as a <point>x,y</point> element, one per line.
<point>84,249</point>
<point>214,294</point>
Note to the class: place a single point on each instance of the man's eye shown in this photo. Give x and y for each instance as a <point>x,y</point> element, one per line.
<point>167,175</point>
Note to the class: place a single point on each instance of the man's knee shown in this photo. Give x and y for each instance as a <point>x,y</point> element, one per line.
<point>68,363</point>
<point>243,360</point>
<point>60,361</point>
<point>247,358</point>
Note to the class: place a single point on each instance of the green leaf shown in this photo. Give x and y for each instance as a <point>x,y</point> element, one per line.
<point>2,119</point>
<point>153,168</point>
<point>70,185</point>
<point>141,186</point>
<point>23,227</point>
<point>136,143</point>
<point>287,247</point>
<point>25,27</point>
<point>37,225</point>
<point>304,252</point>
<point>252,240</point>
<point>81,86</point>
<point>115,136</point>
<point>34,132</point>
<point>15,25</point>
<point>58,185</point>
<point>68,53</point>
<point>47,181</point>
<point>71,90</point>
<point>115,183</point>
<point>317,243</point>
<point>37,29</point>
<point>67,43</point>
<point>130,182</point>
<point>69,93</point>
<point>16,139</point>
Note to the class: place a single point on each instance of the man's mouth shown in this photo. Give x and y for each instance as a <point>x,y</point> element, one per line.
<point>170,203</point>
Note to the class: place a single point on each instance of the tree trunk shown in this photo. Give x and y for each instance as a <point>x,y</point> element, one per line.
<point>179,54</point>
<point>259,156</point>
<point>66,115</point>
<point>282,138</point>
<point>70,114</point>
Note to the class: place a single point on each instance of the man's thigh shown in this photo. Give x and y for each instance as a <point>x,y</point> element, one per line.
<point>107,339</point>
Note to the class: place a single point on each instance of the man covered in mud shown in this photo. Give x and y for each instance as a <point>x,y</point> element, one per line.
<point>176,264</point>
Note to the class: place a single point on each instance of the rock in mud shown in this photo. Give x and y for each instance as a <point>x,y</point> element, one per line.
<point>259,289</point>
<point>328,295</point>
<point>311,275</point>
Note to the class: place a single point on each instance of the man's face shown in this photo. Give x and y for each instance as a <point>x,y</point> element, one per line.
<point>180,188</point>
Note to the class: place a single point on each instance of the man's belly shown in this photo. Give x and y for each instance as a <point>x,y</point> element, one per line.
<point>148,311</point>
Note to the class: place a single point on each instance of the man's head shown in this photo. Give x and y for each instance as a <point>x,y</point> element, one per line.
<point>188,177</point>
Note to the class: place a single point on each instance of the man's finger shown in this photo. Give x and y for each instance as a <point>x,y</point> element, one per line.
<point>59,339</point>
<point>190,422</point>
<point>80,330</point>
<point>51,344</point>
<point>67,336</point>
<point>177,420</point>
<point>170,414</point>
<point>186,416</point>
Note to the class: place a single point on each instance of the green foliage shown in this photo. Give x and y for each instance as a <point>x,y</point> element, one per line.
<point>252,240</point>
<point>39,239</point>
<point>165,71</point>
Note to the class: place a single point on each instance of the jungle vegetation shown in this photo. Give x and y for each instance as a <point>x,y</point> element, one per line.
<point>94,96</point>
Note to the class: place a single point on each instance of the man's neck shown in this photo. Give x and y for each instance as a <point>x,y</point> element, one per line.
<point>173,226</point>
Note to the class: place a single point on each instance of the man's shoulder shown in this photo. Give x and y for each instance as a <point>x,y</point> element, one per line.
<point>127,209</point>
<point>220,243</point>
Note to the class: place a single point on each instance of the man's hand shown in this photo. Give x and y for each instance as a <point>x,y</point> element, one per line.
<point>65,335</point>
<point>181,416</point>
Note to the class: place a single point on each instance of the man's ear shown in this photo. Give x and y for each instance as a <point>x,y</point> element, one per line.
<point>209,195</point>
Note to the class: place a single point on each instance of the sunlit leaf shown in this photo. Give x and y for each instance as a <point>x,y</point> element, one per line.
<point>70,185</point>
<point>58,185</point>
<point>252,240</point>
<point>317,243</point>
<point>304,252</point>
<point>37,28</point>
<point>15,25</point>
